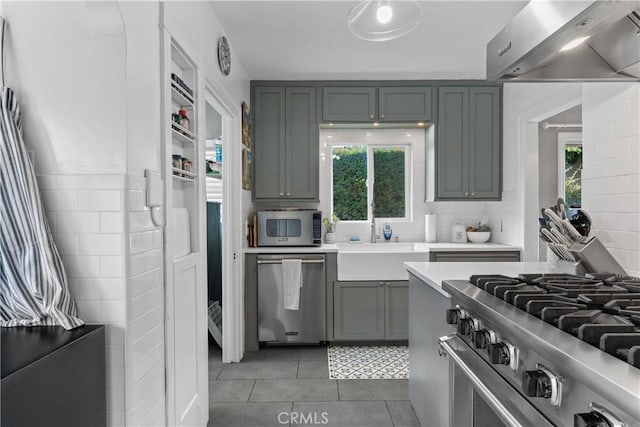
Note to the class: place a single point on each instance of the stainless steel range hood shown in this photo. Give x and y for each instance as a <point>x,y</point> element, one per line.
<point>528,48</point>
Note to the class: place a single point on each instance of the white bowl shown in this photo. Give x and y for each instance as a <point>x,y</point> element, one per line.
<point>478,236</point>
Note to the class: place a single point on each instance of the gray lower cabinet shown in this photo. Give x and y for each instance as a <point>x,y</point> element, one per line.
<point>370,311</point>
<point>396,310</point>
<point>384,104</point>
<point>454,256</point>
<point>468,144</point>
<point>286,144</point>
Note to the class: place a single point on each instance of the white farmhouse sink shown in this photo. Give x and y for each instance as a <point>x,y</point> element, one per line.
<point>378,261</point>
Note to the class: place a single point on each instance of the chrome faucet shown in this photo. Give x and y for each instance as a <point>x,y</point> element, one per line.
<point>374,236</point>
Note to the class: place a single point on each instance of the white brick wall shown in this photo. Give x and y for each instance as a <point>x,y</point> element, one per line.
<point>113,255</point>
<point>145,399</point>
<point>611,174</point>
<point>87,222</point>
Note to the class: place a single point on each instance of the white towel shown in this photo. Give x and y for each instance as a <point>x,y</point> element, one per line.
<point>291,283</point>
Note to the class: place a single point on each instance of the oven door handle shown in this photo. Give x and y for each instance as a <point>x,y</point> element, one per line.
<point>480,387</point>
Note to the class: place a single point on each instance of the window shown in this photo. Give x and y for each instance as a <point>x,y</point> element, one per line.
<point>366,173</point>
<point>570,168</point>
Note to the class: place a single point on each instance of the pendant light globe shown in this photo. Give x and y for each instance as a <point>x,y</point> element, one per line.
<point>382,20</point>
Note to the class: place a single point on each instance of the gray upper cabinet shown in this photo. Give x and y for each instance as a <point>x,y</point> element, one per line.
<point>349,104</point>
<point>484,142</point>
<point>301,144</point>
<point>402,104</point>
<point>269,154</point>
<point>370,104</point>
<point>468,144</point>
<point>286,144</point>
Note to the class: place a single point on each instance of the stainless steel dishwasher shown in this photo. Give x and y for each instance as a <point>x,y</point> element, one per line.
<point>305,325</point>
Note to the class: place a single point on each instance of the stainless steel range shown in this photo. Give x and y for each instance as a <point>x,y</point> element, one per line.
<point>544,350</point>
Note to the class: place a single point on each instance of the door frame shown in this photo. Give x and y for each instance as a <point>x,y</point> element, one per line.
<point>232,292</point>
<point>528,121</point>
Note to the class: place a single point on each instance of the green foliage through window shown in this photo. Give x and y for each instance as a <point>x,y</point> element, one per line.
<point>350,195</point>
<point>388,190</point>
<point>350,183</point>
<point>573,176</point>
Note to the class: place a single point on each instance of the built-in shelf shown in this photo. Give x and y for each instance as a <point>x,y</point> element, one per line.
<point>179,136</point>
<point>183,174</point>
<point>186,132</point>
<point>180,97</point>
<point>183,179</point>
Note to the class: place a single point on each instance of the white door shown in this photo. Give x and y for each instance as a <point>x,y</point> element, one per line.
<point>188,369</point>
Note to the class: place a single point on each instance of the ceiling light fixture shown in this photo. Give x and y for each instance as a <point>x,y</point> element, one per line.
<point>573,43</point>
<point>382,20</point>
<point>384,14</point>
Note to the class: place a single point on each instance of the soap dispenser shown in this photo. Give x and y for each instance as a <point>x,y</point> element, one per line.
<point>387,232</point>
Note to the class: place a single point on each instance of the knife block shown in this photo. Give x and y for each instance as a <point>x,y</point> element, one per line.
<point>596,257</point>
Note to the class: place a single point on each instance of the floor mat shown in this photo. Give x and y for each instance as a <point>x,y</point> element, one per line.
<point>368,362</point>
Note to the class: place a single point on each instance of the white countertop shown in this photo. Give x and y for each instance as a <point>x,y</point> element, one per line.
<point>418,247</point>
<point>325,248</point>
<point>433,273</point>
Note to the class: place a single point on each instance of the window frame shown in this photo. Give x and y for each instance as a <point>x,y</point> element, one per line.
<point>408,190</point>
<point>565,139</point>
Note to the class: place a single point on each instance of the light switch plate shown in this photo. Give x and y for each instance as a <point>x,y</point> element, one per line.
<point>154,188</point>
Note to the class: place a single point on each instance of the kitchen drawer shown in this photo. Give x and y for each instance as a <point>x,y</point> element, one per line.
<point>454,256</point>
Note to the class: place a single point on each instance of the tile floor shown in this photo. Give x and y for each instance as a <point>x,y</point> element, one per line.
<point>291,386</point>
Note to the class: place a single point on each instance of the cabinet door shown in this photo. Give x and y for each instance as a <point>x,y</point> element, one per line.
<point>349,104</point>
<point>452,142</point>
<point>484,143</point>
<point>358,310</point>
<point>404,104</point>
<point>302,146</point>
<point>396,316</point>
<point>269,146</point>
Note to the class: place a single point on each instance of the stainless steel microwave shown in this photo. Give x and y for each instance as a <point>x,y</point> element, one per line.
<point>290,228</point>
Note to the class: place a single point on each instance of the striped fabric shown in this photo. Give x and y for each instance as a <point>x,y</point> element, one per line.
<point>33,284</point>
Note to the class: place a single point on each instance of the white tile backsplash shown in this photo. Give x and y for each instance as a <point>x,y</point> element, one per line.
<point>611,174</point>
<point>100,244</point>
<point>77,222</point>
<point>112,266</point>
<point>60,200</point>
<point>84,212</point>
<point>145,309</point>
<point>82,266</point>
<point>99,200</point>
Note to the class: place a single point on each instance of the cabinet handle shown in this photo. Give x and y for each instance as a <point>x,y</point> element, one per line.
<point>281,194</point>
<point>473,194</point>
<point>288,194</point>
<point>466,194</point>
<point>382,116</point>
<point>371,117</point>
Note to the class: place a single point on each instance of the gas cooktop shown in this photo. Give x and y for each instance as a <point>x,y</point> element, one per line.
<point>600,309</point>
<point>569,345</point>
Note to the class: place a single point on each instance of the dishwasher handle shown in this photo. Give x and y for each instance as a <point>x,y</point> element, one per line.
<point>279,261</point>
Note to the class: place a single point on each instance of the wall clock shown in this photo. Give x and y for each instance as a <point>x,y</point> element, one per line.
<point>224,56</point>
